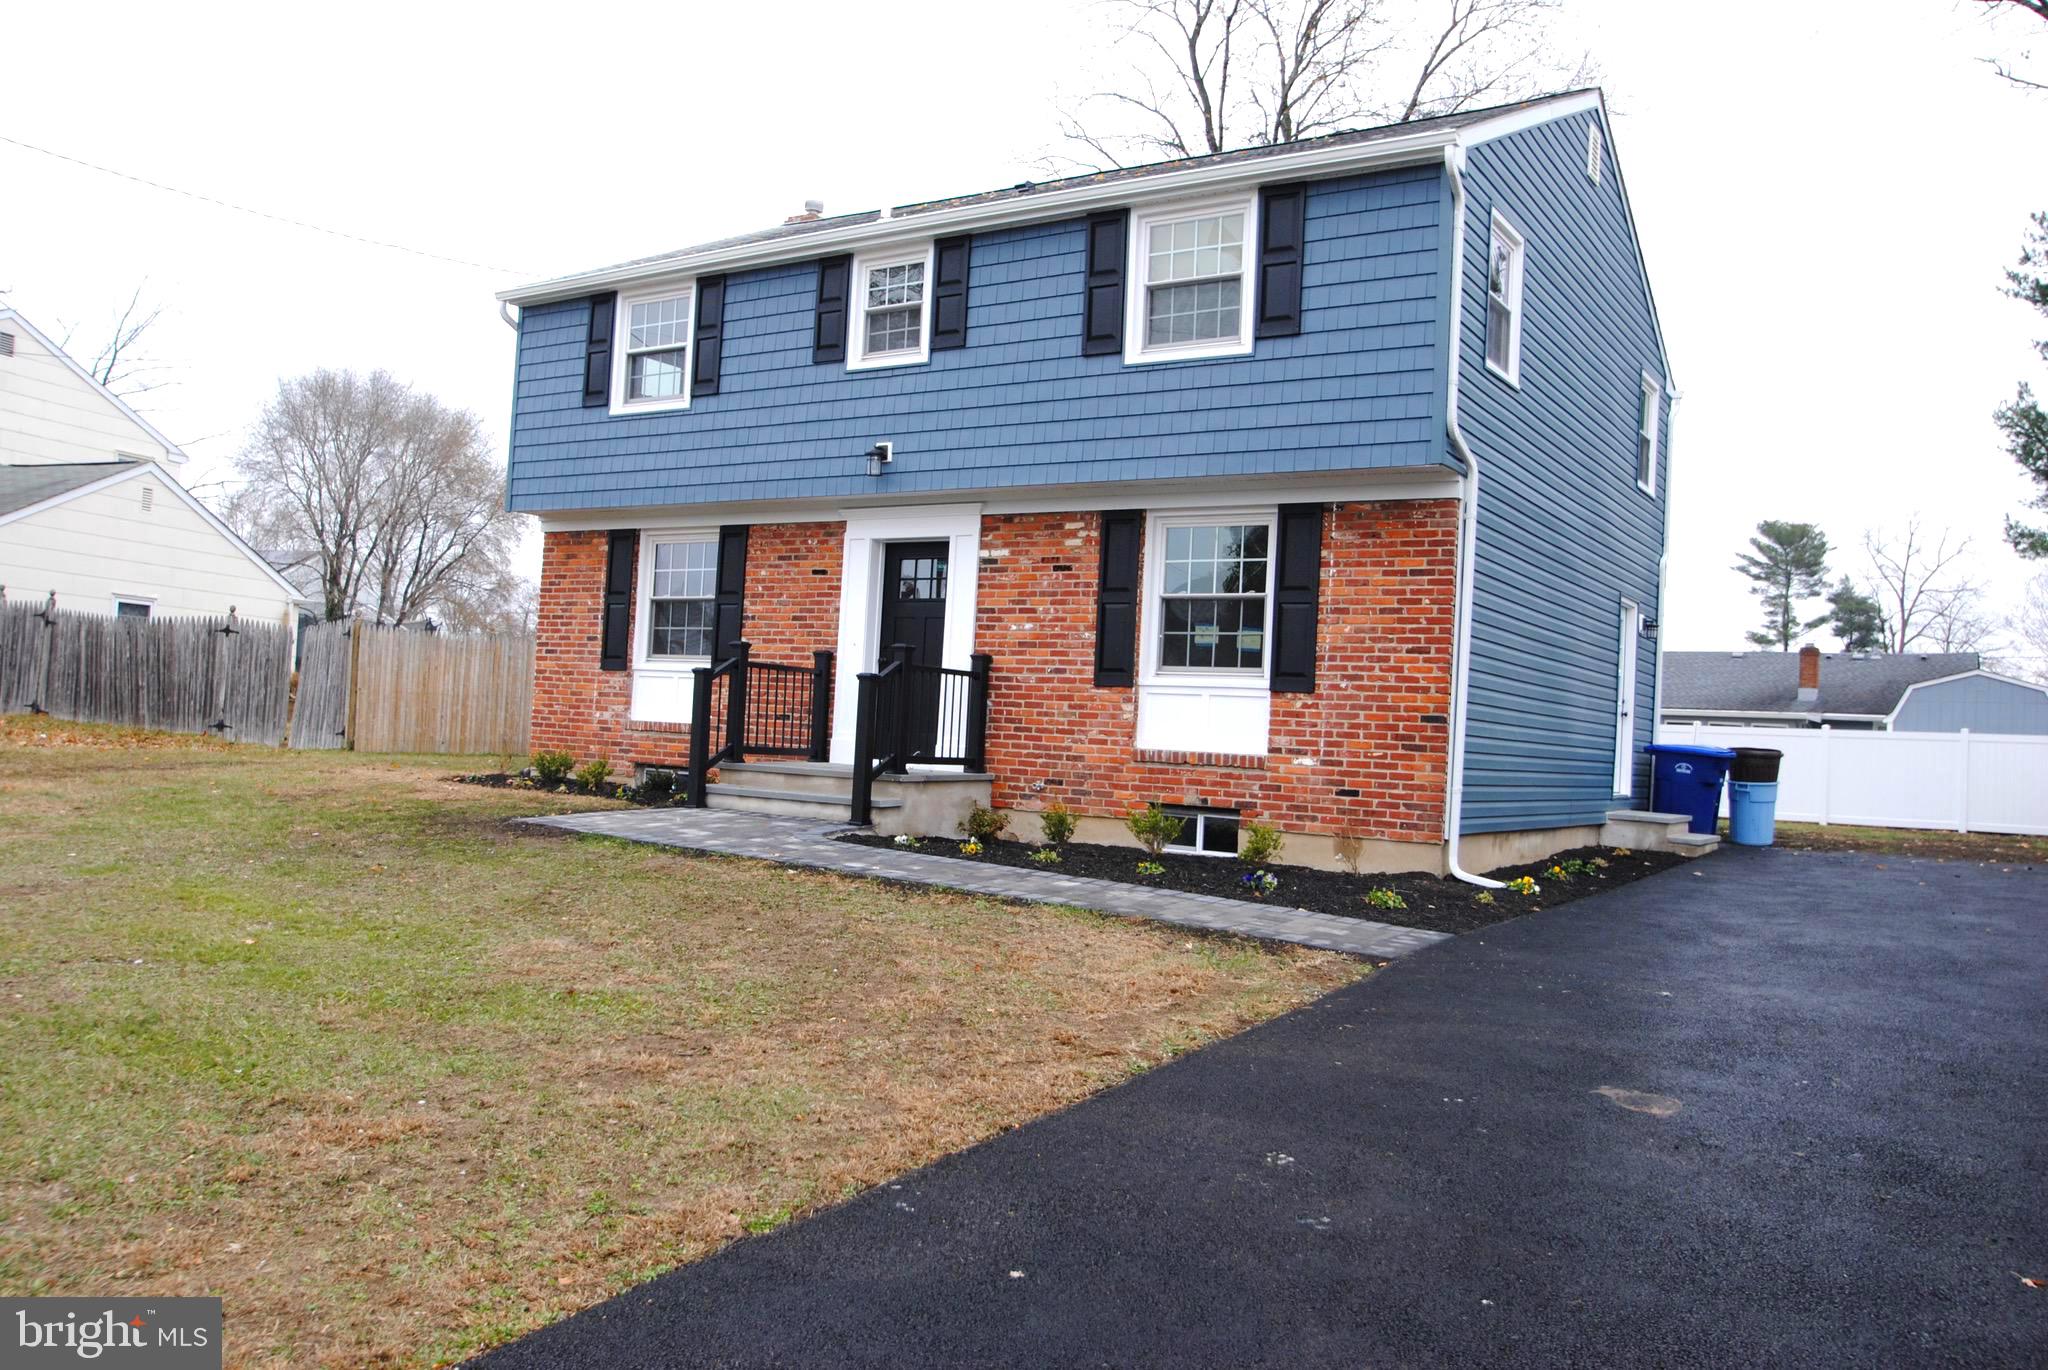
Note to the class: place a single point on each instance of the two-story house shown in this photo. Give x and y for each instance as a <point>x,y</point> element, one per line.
<point>1321,483</point>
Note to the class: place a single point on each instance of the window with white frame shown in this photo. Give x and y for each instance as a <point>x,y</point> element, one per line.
<point>1504,301</point>
<point>892,294</point>
<point>1212,594</point>
<point>682,609</point>
<point>1647,414</point>
<point>653,370</point>
<point>1192,269</point>
<point>1204,832</point>
<point>131,608</point>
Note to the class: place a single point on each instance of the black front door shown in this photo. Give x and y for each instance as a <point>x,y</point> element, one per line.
<point>914,613</point>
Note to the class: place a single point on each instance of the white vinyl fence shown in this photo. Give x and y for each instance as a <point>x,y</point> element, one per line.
<point>1968,782</point>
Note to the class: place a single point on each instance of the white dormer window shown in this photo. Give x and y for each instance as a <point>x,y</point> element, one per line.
<point>1593,152</point>
<point>1504,302</point>
<point>651,368</point>
<point>892,308</point>
<point>1192,271</point>
<point>1647,415</point>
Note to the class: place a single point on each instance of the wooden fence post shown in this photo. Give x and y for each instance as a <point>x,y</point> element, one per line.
<point>354,635</point>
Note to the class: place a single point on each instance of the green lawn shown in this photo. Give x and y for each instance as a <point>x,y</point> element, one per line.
<point>323,1035</point>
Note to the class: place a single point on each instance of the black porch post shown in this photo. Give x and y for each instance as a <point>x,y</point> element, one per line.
<point>864,750</point>
<point>980,665</point>
<point>899,755</point>
<point>736,704</point>
<point>700,735</point>
<point>821,705</point>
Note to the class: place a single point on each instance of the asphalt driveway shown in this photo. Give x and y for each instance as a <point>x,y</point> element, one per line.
<point>1826,1143</point>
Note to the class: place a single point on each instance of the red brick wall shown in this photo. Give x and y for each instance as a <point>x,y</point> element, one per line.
<point>792,609</point>
<point>1376,722</point>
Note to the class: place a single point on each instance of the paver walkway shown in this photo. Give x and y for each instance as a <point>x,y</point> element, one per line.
<point>1769,1109</point>
<point>806,842</point>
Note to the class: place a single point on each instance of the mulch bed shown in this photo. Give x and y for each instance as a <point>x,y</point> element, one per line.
<point>646,796</point>
<point>1436,904</point>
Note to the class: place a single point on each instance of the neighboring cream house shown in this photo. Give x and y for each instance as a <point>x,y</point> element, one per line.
<point>90,509</point>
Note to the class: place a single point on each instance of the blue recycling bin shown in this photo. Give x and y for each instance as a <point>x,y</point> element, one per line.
<point>1687,779</point>
<point>1752,812</point>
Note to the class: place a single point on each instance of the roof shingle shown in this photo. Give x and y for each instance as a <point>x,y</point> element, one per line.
<point>1768,682</point>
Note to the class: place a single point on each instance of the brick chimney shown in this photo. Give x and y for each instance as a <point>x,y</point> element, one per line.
<point>1809,674</point>
<point>812,210</point>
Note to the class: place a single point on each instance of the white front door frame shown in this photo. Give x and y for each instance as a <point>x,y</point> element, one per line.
<point>1625,699</point>
<point>868,531</point>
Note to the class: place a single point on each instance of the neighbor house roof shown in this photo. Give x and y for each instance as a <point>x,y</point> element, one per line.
<point>1416,141</point>
<point>1862,684</point>
<point>21,486</point>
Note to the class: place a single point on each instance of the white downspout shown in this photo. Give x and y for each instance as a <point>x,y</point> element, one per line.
<point>1672,397</point>
<point>1468,533</point>
<point>505,313</point>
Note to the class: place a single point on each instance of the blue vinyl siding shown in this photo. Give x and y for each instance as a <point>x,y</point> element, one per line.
<point>1019,406</point>
<point>1979,703</point>
<point>1564,532</point>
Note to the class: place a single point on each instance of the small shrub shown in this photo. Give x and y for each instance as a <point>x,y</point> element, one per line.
<point>1619,851</point>
<point>1154,827</point>
<point>1261,883</point>
<point>1259,843</point>
<point>1151,868</point>
<point>1555,871</point>
<point>1057,822</point>
<point>553,767</point>
<point>983,824</point>
<point>1484,897</point>
<point>595,773</point>
<point>1385,899</point>
<point>1047,856</point>
<point>904,839</point>
<point>1524,884</point>
<point>970,848</point>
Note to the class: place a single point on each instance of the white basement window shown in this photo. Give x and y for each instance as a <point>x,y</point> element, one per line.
<point>892,308</point>
<point>1504,302</point>
<point>126,606</point>
<point>1204,832</point>
<point>1647,413</point>
<point>1191,274</point>
<point>681,605</point>
<point>652,370</point>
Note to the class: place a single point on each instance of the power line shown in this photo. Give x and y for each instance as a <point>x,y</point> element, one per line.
<point>261,214</point>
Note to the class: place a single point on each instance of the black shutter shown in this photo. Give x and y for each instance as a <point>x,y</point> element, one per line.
<point>1102,313</point>
<point>730,625</point>
<point>597,354</point>
<point>1298,574</point>
<point>949,293</point>
<point>1116,598</point>
<point>615,641</point>
<point>1282,210</point>
<point>828,338</point>
<point>710,334</point>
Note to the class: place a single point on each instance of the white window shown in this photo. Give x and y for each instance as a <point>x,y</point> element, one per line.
<point>1647,414</point>
<point>1504,302</point>
<point>128,607</point>
<point>681,584</point>
<point>651,346</point>
<point>891,308</point>
<point>1593,152</point>
<point>1213,605</point>
<point>1191,272</point>
<point>1204,832</point>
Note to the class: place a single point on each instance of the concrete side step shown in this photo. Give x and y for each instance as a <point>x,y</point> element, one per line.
<point>748,799</point>
<point>1647,816</point>
<point>1694,843</point>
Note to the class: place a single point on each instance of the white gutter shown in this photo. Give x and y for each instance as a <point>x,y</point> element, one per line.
<point>1468,533</point>
<point>505,313</point>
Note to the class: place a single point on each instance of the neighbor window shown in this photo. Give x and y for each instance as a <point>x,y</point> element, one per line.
<point>1504,301</point>
<point>131,608</point>
<point>1204,832</point>
<point>682,611</point>
<point>1212,597</point>
<point>1646,433</point>
<point>891,296</point>
<point>1194,294</point>
<point>653,369</point>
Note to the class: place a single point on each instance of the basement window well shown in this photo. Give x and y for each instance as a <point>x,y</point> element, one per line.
<point>1204,832</point>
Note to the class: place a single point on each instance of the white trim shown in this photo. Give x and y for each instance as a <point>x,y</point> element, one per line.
<point>146,601</point>
<point>1680,712</point>
<point>1518,267</point>
<point>1625,698</point>
<point>868,532</point>
<point>1515,121</point>
<point>622,317</point>
<point>1138,264</point>
<point>1403,483</point>
<point>903,254</point>
<point>643,595</point>
<point>1655,390</point>
<point>1201,814</point>
<point>172,452</point>
<point>1151,612</point>
<point>130,471</point>
<point>1202,709</point>
<point>1980,672</point>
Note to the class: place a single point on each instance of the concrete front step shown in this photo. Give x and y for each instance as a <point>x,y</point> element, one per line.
<point>922,803</point>
<point>836,808</point>
<point>1646,830</point>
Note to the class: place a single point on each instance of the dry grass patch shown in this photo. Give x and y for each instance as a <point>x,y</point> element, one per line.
<point>1998,848</point>
<point>324,1035</point>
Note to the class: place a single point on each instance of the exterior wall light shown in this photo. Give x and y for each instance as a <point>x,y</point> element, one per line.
<point>879,457</point>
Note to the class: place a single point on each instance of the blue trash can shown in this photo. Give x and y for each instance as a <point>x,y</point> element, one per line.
<point>1687,779</point>
<point>1752,812</point>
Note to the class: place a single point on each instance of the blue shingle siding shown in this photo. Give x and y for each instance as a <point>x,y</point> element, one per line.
<point>1019,406</point>
<point>1565,533</point>
<point>1979,703</point>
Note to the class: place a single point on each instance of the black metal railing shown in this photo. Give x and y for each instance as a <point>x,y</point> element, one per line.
<point>744,706</point>
<point>909,713</point>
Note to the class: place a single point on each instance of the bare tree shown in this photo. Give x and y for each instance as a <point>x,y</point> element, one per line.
<point>2007,67</point>
<point>1210,75</point>
<point>380,499</point>
<point>120,363</point>
<point>2029,627</point>
<point>1929,603</point>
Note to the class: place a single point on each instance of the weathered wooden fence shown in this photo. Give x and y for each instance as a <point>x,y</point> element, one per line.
<point>380,689</point>
<point>190,675</point>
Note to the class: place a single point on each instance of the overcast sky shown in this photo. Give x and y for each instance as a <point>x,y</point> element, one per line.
<point>1827,194</point>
